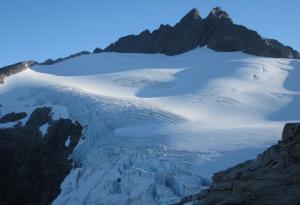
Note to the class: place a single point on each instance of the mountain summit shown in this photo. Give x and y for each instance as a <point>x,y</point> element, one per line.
<point>192,15</point>
<point>217,31</point>
<point>218,13</point>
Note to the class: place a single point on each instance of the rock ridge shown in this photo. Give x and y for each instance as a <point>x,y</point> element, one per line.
<point>217,31</point>
<point>13,69</point>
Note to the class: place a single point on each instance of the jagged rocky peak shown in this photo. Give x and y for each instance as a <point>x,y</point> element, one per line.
<point>146,32</point>
<point>193,14</point>
<point>217,31</point>
<point>164,26</point>
<point>218,13</point>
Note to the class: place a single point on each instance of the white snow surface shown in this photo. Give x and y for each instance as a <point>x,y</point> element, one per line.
<point>44,129</point>
<point>68,141</point>
<point>157,127</point>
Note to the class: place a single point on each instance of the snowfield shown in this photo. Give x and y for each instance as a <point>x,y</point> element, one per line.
<point>157,127</point>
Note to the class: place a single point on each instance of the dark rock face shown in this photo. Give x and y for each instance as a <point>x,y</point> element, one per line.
<point>283,50</point>
<point>98,50</point>
<point>58,60</point>
<point>273,178</point>
<point>39,117</point>
<point>184,36</point>
<point>13,69</point>
<point>32,167</point>
<point>13,117</point>
<point>224,35</point>
<point>217,31</point>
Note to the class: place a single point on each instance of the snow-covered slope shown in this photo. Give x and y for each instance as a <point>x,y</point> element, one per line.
<point>156,126</point>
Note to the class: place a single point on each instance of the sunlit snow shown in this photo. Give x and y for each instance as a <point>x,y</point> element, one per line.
<point>156,127</point>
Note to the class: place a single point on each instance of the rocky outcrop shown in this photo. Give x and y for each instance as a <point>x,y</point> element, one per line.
<point>58,60</point>
<point>12,117</point>
<point>13,69</point>
<point>33,166</point>
<point>98,50</point>
<point>273,178</point>
<point>217,31</point>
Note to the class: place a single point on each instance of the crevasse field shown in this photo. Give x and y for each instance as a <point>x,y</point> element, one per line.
<point>157,127</point>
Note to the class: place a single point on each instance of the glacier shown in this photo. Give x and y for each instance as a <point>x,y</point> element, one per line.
<point>157,127</point>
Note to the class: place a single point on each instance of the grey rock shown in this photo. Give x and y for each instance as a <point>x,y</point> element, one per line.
<point>273,178</point>
<point>290,132</point>
<point>14,69</point>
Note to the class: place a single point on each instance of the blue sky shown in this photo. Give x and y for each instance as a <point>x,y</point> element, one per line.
<point>41,29</point>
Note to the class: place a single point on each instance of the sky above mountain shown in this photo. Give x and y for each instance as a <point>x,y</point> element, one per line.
<point>38,30</point>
